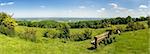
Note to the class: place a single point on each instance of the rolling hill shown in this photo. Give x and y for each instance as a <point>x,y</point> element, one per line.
<point>133,42</point>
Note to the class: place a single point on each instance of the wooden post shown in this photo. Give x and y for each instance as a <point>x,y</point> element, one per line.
<point>95,42</point>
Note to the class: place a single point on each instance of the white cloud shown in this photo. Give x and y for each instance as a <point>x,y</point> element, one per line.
<point>114,5</point>
<point>81,7</point>
<point>42,6</point>
<point>101,10</point>
<point>10,3</point>
<point>143,6</point>
<point>121,11</point>
<point>6,3</point>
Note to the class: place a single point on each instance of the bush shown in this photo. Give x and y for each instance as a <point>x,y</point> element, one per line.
<point>6,31</point>
<point>64,30</point>
<point>135,26</point>
<point>121,28</point>
<point>52,34</point>
<point>86,34</point>
<point>28,34</point>
<point>76,37</point>
<point>7,24</point>
<point>148,21</point>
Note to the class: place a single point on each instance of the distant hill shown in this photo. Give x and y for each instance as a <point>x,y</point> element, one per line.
<point>59,19</point>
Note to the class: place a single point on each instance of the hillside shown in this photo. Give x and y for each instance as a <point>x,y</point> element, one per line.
<point>134,42</point>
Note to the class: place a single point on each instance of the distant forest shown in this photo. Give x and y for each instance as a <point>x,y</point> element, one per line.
<point>83,24</point>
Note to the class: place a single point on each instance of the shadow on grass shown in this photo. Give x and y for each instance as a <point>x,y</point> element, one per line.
<point>91,48</point>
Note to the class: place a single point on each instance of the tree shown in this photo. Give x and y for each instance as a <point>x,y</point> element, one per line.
<point>129,19</point>
<point>64,30</point>
<point>7,24</point>
<point>142,18</point>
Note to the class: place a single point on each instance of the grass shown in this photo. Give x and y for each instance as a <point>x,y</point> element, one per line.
<point>41,31</point>
<point>134,42</point>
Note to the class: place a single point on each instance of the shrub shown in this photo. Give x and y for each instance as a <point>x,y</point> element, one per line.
<point>6,31</point>
<point>114,29</point>
<point>52,34</point>
<point>104,25</point>
<point>7,24</point>
<point>135,26</point>
<point>28,34</point>
<point>121,28</point>
<point>76,37</point>
<point>86,34</point>
<point>148,21</point>
<point>64,30</point>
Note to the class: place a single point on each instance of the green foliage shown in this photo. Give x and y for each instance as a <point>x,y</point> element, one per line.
<point>104,22</point>
<point>28,34</point>
<point>148,21</point>
<point>129,19</point>
<point>74,36</point>
<point>135,26</point>
<point>143,18</point>
<point>136,42</point>
<point>52,34</point>
<point>121,28</point>
<point>7,24</point>
<point>40,24</point>
<point>86,34</point>
<point>24,23</point>
<point>104,25</point>
<point>6,31</point>
<point>64,30</point>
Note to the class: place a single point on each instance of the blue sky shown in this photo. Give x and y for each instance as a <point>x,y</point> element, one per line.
<point>75,8</point>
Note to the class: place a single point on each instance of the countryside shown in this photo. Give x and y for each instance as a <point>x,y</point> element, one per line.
<point>81,31</point>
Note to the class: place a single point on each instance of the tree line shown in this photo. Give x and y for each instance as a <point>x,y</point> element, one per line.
<point>105,22</point>
<point>83,24</point>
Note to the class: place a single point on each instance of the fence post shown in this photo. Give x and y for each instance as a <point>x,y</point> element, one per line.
<point>95,42</point>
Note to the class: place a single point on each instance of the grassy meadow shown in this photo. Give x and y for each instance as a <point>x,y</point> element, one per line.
<point>133,42</point>
<point>52,37</point>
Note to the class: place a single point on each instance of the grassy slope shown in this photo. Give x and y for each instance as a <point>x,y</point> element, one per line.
<point>135,42</point>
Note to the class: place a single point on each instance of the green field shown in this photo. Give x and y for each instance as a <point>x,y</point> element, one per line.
<point>133,42</point>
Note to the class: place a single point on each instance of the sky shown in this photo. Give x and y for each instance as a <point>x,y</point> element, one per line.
<point>75,8</point>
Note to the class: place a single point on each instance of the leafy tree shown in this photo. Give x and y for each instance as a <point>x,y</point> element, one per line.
<point>129,19</point>
<point>142,18</point>
<point>7,24</point>
<point>64,29</point>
